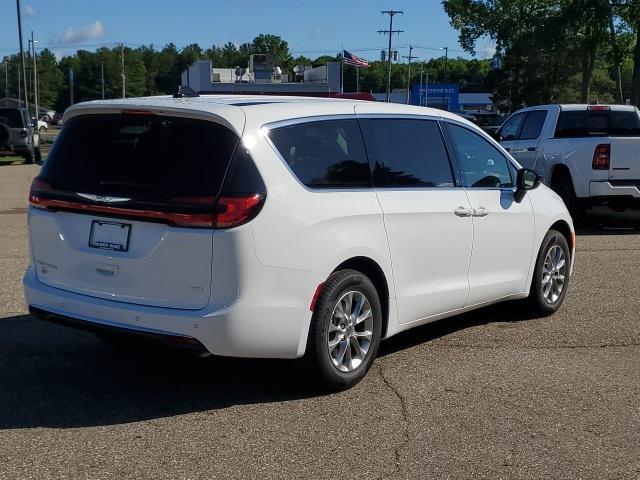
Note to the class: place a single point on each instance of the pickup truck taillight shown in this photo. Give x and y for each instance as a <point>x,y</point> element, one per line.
<point>602,157</point>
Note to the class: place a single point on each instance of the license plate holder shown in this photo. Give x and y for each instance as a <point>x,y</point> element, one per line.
<point>110,235</point>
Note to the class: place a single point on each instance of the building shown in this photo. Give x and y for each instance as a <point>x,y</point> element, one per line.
<point>261,77</point>
<point>446,96</point>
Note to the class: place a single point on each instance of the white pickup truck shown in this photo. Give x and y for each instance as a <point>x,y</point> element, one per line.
<point>588,154</point>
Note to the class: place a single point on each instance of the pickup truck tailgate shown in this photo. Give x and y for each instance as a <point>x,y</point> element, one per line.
<point>625,158</point>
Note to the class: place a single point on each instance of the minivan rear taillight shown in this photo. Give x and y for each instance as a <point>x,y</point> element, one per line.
<point>602,157</point>
<point>194,211</point>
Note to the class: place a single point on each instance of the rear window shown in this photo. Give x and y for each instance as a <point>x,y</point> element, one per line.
<point>11,117</point>
<point>325,154</point>
<point>584,123</point>
<point>140,156</point>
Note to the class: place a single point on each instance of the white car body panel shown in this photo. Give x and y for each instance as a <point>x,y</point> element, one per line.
<point>262,276</point>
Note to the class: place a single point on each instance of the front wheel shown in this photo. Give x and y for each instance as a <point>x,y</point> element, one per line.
<point>345,330</point>
<point>551,275</point>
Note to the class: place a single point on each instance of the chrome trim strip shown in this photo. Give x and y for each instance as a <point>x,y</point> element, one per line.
<point>103,199</point>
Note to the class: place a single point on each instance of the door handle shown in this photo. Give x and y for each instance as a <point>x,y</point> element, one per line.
<point>463,212</point>
<point>480,212</point>
<point>531,149</point>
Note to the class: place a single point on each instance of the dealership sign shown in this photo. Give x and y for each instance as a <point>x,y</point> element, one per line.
<point>440,95</point>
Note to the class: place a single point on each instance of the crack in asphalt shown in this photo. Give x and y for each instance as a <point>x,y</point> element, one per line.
<point>539,347</point>
<point>405,420</point>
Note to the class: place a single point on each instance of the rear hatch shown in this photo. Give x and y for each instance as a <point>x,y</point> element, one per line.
<point>124,207</point>
<point>625,159</point>
<point>618,126</point>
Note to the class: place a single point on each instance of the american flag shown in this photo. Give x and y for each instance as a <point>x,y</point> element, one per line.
<point>351,59</point>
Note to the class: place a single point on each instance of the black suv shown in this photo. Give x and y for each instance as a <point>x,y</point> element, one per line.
<point>18,136</point>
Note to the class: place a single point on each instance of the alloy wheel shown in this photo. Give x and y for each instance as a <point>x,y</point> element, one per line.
<point>350,331</point>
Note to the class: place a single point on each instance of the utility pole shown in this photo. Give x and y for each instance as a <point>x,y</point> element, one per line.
<point>22,65</point>
<point>390,32</point>
<point>446,60</point>
<point>35,77</point>
<point>70,86</point>
<point>409,57</point>
<point>124,78</point>
<point>6,81</point>
<point>102,78</point>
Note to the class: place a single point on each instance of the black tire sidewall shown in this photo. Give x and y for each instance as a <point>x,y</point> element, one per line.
<point>536,296</point>
<point>337,285</point>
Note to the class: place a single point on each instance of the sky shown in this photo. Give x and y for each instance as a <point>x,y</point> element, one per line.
<point>312,28</point>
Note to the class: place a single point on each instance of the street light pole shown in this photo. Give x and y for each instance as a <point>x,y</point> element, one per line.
<point>22,63</point>
<point>6,81</point>
<point>124,78</point>
<point>390,32</point>
<point>35,77</point>
<point>102,78</point>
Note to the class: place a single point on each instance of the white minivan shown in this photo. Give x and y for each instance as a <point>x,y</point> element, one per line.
<point>276,227</point>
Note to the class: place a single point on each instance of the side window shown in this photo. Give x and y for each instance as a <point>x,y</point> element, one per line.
<point>483,165</point>
<point>532,127</point>
<point>407,153</point>
<point>511,128</point>
<point>325,154</point>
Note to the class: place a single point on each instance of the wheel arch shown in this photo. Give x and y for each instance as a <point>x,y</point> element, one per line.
<point>563,227</point>
<point>374,272</point>
<point>560,171</point>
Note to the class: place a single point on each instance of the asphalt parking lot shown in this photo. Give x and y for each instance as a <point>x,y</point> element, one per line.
<point>492,394</point>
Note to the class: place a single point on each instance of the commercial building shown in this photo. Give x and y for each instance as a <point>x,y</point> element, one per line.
<point>262,77</point>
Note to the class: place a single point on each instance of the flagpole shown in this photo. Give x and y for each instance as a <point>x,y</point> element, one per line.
<point>342,69</point>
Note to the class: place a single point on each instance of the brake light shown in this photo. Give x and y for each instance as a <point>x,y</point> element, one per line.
<point>193,211</point>
<point>598,108</point>
<point>602,157</point>
<point>234,211</point>
<point>137,112</point>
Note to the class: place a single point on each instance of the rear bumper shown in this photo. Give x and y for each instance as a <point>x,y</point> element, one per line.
<point>270,319</point>
<point>607,189</point>
<point>96,326</point>
<point>14,150</point>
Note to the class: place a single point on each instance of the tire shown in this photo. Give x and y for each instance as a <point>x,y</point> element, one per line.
<point>5,134</point>
<point>37,156</point>
<point>42,129</point>
<point>344,290</point>
<point>28,157</point>
<point>563,186</point>
<point>542,303</point>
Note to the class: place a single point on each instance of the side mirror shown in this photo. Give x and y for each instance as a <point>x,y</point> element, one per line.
<point>527,179</point>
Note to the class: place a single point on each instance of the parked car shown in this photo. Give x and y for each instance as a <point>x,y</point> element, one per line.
<point>18,136</point>
<point>292,227</point>
<point>43,126</point>
<point>490,122</point>
<point>56,119</point>
<point>588,154</point>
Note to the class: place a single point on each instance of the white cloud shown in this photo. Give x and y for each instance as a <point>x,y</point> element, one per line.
<point>93,31</point>
<point>30,11</point>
